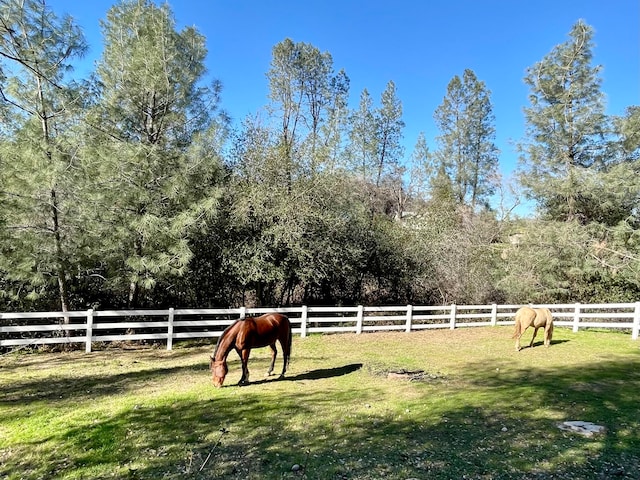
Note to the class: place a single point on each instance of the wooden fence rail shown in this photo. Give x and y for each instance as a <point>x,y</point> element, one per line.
<point>37,328</point>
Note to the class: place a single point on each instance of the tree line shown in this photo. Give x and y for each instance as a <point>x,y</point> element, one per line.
<point>132,187</point>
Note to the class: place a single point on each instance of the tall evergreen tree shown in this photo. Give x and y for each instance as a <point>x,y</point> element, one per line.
<point>389,131</point>
<point>363,139</point>
<point>155,150</point>
<point>334,130</point>
<point>466,144</point>
<point>422,169</point>
<point>566,128</point>
<point>41,241</point>
<point>307,100</point>
<point>389,170</point>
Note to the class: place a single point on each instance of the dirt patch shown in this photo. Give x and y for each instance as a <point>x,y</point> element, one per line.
<point>414,375</point>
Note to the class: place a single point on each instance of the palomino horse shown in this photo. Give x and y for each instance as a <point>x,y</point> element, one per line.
<point>533,317</point>
<point>248,333</point>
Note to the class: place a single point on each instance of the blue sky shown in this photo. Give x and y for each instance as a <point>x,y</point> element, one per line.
<point>420,45</point>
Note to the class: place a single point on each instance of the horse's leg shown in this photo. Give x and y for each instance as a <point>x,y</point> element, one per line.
<point>285,355</point>
<point>535,332</point>
<point>244,357</point>
<point>274,354</point>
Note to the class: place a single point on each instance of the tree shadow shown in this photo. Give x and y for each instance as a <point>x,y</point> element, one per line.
<point>60,387</point>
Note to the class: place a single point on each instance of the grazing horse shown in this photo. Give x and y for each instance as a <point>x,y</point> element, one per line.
<point>248,333</point>
<point>533,317</point>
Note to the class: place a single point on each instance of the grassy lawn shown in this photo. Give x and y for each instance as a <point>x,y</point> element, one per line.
<point>480,410</point>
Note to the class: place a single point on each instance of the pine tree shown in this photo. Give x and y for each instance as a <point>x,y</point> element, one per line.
<point>41,241</point>
<point>466,143</point>
<point>363,140</point>
<point>155,148</point>
<point>566,128</point>
<point>308,102</point>
<point>422,169</point>
<point>389,123</point>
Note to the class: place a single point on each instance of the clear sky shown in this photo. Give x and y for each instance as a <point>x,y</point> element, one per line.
<point>419,44</point>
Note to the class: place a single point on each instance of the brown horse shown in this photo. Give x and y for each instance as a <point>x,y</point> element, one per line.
<point>533,317</point>
<point>248,333</point>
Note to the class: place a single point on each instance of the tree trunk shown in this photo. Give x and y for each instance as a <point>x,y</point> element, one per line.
<point>61,269</point>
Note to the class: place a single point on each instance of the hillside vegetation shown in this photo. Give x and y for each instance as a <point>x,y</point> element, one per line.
<point>132,188</point>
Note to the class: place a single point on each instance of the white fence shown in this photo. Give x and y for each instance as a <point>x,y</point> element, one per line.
<point>176,323</point>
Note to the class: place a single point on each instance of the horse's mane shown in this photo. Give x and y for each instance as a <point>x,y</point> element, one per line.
<point>224,334</point>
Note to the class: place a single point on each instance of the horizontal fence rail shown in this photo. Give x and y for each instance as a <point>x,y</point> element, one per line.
<point>89,326</point>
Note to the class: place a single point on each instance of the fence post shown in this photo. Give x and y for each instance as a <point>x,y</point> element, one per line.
<point>243,312</point>
<point>409,318</point>
<point>359,319</point>
<point>452,321</point>
<point>87,347</point>
<point>303,321</point>
<point>170,329</point>
<point>636,322</point>
<point>576,318</point>
<point>494,315</point>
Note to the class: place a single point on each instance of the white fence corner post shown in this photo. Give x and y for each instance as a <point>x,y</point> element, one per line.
<point>87,348</point>
<point>409,318</point>
<point>636,322</point>
<point>359,319</point>
<point>452,320</point>
<point>170,329</point>
<point>494,315</point>
<point>576,318</point>
<point>303,321</point>
<point>243,312</point>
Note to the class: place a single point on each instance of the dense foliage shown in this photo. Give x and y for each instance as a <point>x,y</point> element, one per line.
<point>131,188</point>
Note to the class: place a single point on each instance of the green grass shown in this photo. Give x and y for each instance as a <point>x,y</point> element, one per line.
<point>482,412</point>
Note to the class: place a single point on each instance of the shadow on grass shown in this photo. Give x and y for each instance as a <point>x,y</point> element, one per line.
<point>605,393</point>
<point>62,387</point>
<point>541,343</point>
<point>318,374</point>
<point>35,358</point>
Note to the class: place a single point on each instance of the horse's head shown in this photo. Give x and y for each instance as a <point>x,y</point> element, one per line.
<point>218,371</point>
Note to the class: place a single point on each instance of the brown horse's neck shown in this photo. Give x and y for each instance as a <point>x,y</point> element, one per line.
<point>226,343</point>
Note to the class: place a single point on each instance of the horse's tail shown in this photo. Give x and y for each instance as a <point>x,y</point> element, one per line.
<point>517,331</point>
<point>549,316</point>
